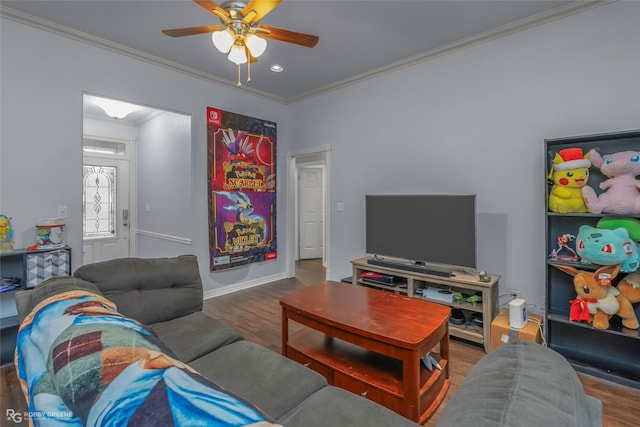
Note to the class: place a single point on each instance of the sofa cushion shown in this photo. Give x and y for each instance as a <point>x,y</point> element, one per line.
<point>333,406</point>
<point>150,290</point>
<point>270,381</point>
<point>525,384</point>
<point>26,300</point>
<point>194,335</point>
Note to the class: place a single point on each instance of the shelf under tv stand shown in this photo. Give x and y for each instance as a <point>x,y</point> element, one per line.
<point>415,278</point>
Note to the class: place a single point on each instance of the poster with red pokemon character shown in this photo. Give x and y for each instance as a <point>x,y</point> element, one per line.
<point>241,153</point>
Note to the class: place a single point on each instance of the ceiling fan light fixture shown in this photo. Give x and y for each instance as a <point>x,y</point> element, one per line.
<point>256,45</point>
<point>223,40</point>
<point>238,55</point>
<point>241,36</point>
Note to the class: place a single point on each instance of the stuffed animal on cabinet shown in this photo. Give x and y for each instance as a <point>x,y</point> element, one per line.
<point>608,247</point>
<point>597,300</point>
<point>630,287</point>
<point>569,174</point>
<point>621,190</point>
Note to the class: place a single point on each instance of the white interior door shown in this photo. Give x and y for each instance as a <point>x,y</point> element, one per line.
<point>106,213</point>
<point>311,212</point>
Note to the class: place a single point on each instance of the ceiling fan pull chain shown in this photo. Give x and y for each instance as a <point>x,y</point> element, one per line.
<point>238,84</point>
<point>249,70</point>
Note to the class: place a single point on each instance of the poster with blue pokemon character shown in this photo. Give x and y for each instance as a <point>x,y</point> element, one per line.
<point>242,189</point>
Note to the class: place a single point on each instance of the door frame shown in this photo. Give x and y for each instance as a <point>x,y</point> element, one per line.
<point>130,155</point>
<point>292,159</point>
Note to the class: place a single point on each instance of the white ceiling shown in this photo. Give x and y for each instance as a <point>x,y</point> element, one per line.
<point>358,38</point>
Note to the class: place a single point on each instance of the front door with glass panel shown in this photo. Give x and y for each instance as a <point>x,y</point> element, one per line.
<point>106,214</point>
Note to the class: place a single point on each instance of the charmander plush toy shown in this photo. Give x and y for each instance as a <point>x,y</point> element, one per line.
<point>569,174</point>
<point>597,300</point>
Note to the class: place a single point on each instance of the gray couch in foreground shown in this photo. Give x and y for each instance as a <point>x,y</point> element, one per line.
<point>166,294</point>
<point>519,384</point>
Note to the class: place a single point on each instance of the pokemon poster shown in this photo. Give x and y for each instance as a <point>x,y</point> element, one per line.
<point>241,153</point>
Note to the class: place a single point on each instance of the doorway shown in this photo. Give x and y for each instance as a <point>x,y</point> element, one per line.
<point>311,212</point>
<point>136,180</point>
<point>307,235</point>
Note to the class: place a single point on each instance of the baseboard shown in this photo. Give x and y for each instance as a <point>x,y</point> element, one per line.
<point>243,285</point>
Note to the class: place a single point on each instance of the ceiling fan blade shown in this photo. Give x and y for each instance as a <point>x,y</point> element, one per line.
<point>287,36</point>
<point>214,9</point>
<point>190,31</point>
<point>255,10</point>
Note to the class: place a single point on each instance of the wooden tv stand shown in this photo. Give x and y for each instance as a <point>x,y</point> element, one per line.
<point>468,284</point>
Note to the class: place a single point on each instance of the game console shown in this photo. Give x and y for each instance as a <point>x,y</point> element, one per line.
<point>383,279</point>
<point>438,294</point>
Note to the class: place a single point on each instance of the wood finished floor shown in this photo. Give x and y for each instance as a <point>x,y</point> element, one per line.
<point>255,313</point>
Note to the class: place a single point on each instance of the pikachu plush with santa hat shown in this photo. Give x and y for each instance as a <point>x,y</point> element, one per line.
<point>569,173</point>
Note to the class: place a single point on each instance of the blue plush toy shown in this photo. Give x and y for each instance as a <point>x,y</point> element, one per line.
<point>608,247</point>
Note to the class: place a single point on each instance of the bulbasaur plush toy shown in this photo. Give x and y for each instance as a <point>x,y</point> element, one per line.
<point>607,247</point>
<point>569,173</point>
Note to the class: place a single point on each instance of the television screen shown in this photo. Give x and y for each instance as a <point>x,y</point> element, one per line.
<point>437,229</point>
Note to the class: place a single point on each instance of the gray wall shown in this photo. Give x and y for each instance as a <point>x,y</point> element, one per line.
<point>43,79</point>
<point>164,184</point>
<point>475,121</point>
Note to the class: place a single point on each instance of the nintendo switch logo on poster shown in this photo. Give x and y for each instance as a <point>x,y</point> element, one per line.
<point>214,116</point>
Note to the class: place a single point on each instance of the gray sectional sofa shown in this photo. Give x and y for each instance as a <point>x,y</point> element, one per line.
<point>519,384</point>
<point>166,294</point>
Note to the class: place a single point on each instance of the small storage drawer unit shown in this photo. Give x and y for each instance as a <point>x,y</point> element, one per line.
<point>31,268</point>
<point>45,265</point>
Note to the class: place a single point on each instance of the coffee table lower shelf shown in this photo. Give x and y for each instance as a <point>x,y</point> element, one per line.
<point>372,375</point>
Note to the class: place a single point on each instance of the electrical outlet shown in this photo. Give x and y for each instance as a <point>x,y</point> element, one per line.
<point>514,293</point>
<point>62,211</point>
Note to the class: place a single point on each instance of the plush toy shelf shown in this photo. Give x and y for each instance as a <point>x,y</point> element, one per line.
<point>609,353</point>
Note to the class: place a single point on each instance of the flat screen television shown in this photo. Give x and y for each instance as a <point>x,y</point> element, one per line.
<point>423,229</point>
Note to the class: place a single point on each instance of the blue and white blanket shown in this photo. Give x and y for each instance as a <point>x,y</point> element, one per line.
<point>80,362</point>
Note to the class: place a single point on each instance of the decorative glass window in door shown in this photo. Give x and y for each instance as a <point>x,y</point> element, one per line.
<point>99,201</point>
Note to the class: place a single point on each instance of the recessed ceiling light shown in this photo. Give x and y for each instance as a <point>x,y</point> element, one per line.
<point>277,68</point>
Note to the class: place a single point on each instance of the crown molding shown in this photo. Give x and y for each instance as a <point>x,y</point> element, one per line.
<point>569,9</point>
<point>61,30</point>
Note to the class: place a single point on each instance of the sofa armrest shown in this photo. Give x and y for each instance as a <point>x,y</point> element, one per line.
<point>26,300</point>
<point>525,384</point>
<point>150,290</point>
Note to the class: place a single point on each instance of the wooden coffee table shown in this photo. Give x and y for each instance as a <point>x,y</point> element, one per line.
<point>370,342</point>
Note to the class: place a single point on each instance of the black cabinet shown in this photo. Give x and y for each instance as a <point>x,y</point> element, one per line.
<point>606,353</point>
<point>31,268</point>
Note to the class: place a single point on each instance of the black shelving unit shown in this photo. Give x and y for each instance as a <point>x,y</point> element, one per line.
<point>610,353</point>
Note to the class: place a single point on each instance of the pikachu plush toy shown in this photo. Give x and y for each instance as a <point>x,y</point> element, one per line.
<point>569,173</point>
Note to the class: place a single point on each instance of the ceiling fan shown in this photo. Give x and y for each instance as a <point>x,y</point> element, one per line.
<point>240,35</point>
